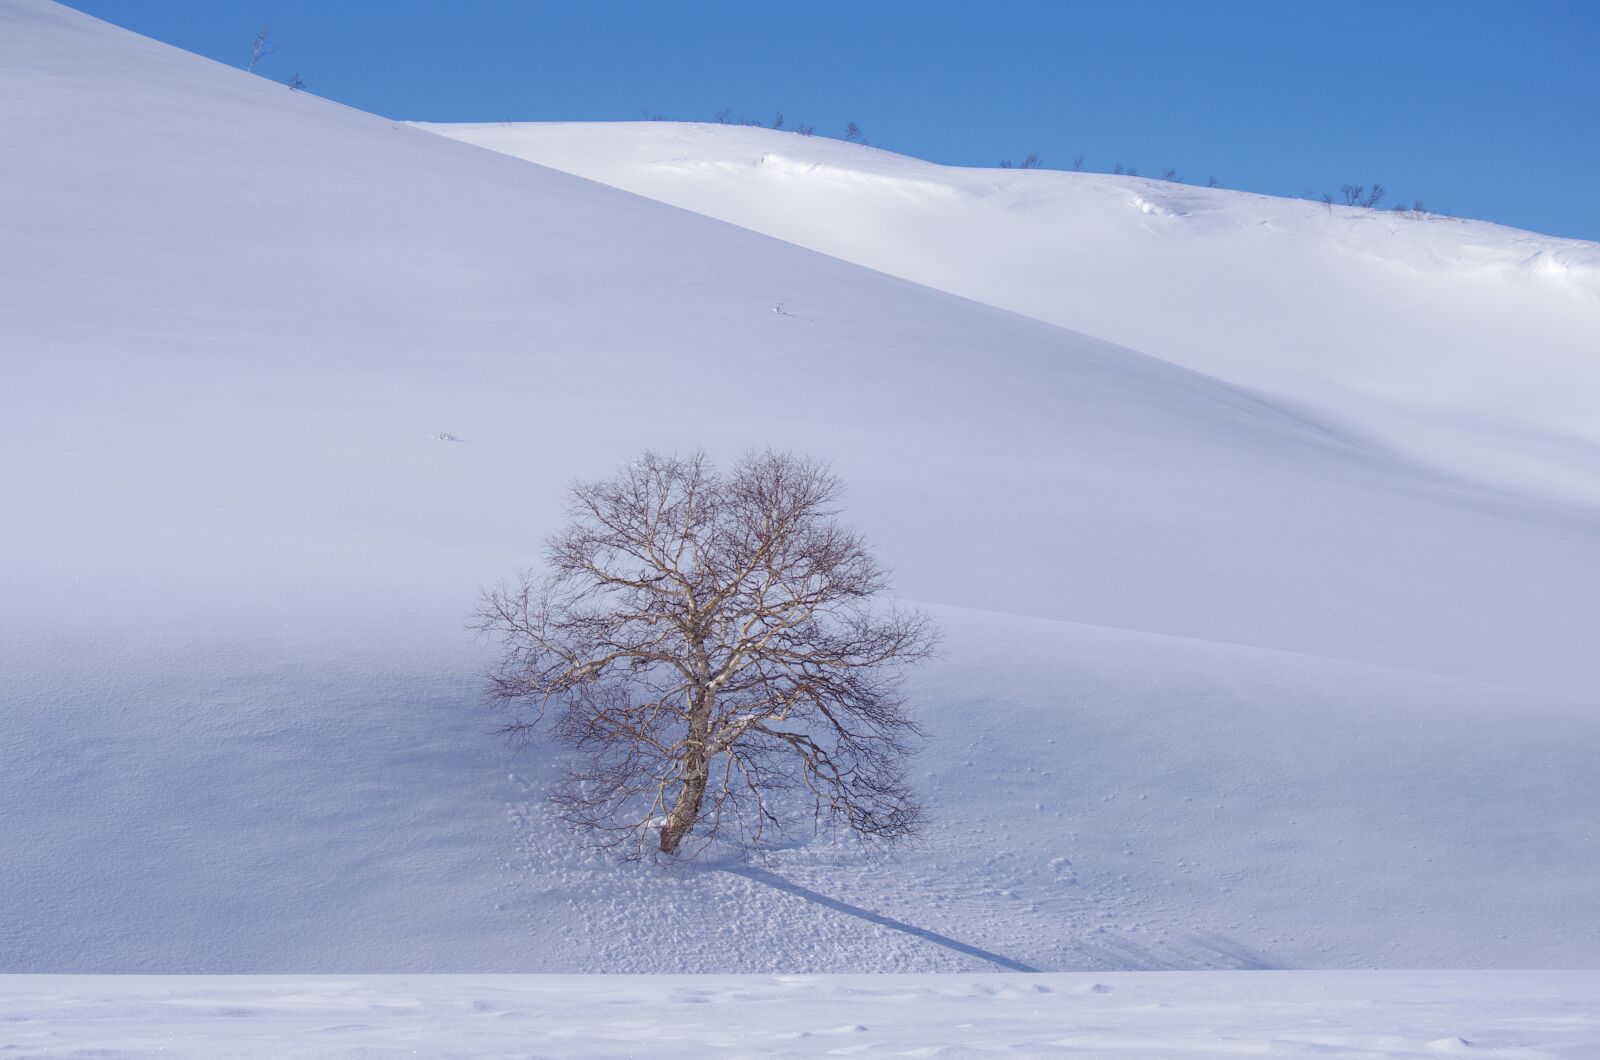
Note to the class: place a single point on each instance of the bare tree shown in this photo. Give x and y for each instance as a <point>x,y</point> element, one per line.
<point>1171,175</point>
<point>777,120</point>
<point>713,648</point>
<point>1361,195</point>
<point>1032,161</point>
<point>852,131</point>
<point>1077,163</point>
<point>261,47</point>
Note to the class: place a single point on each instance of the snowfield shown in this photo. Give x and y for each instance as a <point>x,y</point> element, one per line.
<point>1467,346</point>
<point>1117,1016</point>
<point>1265,539</point>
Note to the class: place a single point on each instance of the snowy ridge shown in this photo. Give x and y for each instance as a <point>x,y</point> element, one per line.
<point>1216,655</point>
<point>1469,346</point>
<point>629,153</point>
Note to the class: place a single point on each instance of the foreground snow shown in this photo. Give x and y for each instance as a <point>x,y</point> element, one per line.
<point>1155,1016</point>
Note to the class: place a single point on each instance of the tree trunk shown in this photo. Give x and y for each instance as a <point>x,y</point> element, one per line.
<point>696,770</point>
<point>686,809</point>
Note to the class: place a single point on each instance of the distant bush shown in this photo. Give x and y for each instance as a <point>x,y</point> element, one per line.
<point>1361,195</point>
<point>1033,161</point>
<point>727,116</point>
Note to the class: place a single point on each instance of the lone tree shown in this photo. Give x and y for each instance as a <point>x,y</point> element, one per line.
<point>261,47</point>
<point>713,646</point>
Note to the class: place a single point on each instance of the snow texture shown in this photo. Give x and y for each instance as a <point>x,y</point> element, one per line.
<point>1233,678</point>
<point>1116,1016</point>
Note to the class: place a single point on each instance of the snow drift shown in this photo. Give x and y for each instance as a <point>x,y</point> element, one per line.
<point>1227,681</point>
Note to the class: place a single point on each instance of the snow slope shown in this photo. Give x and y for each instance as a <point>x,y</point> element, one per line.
<point>1469,346</point>
<point>1225,684</point>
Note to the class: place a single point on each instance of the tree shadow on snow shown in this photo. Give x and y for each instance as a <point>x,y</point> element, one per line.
<point>779,883</point>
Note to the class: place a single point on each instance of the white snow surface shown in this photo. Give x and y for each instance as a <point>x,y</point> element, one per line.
<point>1228,681</point>
<point>1115,1016</point>
<point>1468,346</point>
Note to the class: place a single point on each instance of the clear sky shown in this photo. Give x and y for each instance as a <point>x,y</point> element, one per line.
<point>1479,109</point>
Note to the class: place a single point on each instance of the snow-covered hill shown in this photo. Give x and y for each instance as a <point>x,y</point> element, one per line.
<point>1468,346</point>
<point>1226,682</point>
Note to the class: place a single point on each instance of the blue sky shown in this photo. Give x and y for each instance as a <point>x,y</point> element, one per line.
<point>1479,109</point>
